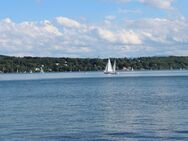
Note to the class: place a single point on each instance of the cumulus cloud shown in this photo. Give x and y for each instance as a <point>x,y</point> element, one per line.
<point>36,38</point>
<point>51,29</point>
<point>119,37</point>
<point>161,30</point>
<point>106,35</point>
<point>68,22</point>
<point>151,36</point>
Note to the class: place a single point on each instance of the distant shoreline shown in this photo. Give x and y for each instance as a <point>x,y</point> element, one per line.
<point>119,71</point>
<point>10,64</point>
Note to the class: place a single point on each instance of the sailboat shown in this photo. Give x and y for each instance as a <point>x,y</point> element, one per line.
<point>109,69</point>
<point>41,70</point>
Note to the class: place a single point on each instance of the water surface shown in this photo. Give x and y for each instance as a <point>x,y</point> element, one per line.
<point>92,106</point>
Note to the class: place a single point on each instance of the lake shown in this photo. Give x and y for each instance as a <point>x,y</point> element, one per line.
<point>130,106</point>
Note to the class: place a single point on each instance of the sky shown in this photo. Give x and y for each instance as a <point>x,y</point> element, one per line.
<point>94,28</point>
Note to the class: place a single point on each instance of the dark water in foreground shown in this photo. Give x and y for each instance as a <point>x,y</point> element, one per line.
<point>144,108</point>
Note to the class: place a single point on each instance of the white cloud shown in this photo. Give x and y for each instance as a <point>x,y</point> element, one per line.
<point>154,36</point>
<point>119,37</point>
<point>106,35</point>
<point>68,22</point>
<point>127,11</point>
<point>163,4</point>
<point>51,29</point>
<point>129,37</point>
<point>35,38</point>
<point>110,17</point>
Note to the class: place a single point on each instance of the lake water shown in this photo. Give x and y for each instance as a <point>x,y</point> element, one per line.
<point>130,106</point>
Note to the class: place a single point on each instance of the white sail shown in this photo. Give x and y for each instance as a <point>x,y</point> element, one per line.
<point>41,70</point>
<point>114,67</point>
<point>109,69</point>
<point>106,68</point>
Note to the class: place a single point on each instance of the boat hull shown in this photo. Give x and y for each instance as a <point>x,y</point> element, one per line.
<point>110,72</point>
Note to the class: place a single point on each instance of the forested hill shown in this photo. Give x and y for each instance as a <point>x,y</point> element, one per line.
<point>26,64</point>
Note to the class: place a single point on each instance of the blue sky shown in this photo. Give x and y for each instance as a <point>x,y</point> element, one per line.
<point>93,10</point>
<point>92,28</point>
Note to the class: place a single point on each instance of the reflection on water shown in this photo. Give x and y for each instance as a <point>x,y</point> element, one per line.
<point>97,107</point>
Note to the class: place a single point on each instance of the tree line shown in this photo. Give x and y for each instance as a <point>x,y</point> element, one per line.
<point>10,64</point>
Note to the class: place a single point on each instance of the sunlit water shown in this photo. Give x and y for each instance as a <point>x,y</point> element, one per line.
<point>130,106</point>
